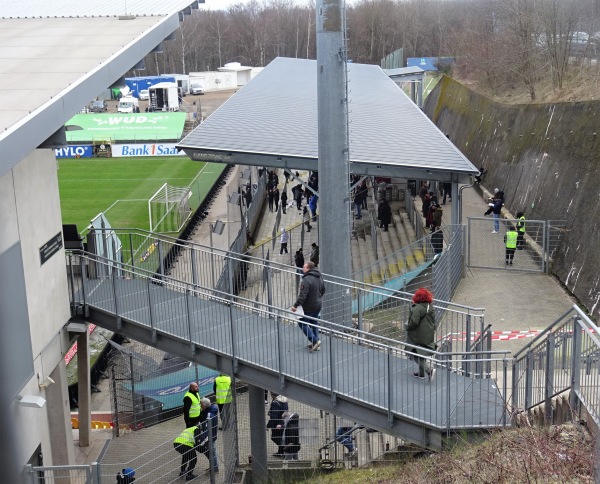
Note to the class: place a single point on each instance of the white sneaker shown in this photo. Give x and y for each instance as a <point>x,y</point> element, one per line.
<point>494,231</point>
<point>431,374</point>
<point>316,345</point>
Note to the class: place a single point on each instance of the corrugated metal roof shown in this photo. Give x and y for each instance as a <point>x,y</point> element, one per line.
<point>50,67</point>
<point>403,71</point>
<point>88,8</point>
<point>275,114</point>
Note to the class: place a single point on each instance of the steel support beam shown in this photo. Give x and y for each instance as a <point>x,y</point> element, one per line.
<point>334,170</point>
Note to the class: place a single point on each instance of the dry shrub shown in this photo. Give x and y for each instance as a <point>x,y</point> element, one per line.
<point>562,453</point>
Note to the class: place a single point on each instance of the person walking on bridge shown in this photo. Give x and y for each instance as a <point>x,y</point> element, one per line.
<point>310,297</point>
<point>420,332</point>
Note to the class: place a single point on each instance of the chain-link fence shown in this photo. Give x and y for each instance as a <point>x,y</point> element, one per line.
<point>146,391</point>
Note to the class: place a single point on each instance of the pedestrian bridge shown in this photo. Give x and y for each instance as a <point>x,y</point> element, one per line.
<point>356,374</point>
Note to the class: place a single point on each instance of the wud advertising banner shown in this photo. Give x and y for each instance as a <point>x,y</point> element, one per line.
<point>127,127</point>
<point>149,149</point>
<point>74,151</point>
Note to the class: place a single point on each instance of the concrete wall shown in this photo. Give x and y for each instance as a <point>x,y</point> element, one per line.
<point>546,159</point>
<point>215,81</point>
<point>30,216</point>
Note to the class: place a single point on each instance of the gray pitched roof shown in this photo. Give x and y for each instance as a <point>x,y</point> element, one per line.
<point>50,67</point>
<point>272,121</point>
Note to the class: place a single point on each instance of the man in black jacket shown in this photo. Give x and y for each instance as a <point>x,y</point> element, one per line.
<point>310,297</point>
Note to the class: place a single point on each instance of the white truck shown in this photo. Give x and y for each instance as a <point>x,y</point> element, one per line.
<point>128,104</point>
<point>164,96</point>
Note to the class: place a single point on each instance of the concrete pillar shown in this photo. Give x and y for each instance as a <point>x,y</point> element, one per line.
<point>84,392</point>
<point>334,182</point>
<point>59,421</point>
<point>258,434</point>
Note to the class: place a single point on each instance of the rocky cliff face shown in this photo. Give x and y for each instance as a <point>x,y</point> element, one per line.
<point>546,158</point>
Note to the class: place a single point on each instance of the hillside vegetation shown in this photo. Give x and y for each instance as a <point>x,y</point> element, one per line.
<point>582,84</point>
<point>556,454</point>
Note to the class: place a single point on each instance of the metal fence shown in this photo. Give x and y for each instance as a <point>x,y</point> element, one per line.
<point>140,368</point>
<point>486,247</point>
<point>376,310</point>
<point>106,292</point>
<point>566,356</point>
<point>75,474</point>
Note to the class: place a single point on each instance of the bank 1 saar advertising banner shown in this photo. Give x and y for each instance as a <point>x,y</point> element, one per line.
<point>147,149</point>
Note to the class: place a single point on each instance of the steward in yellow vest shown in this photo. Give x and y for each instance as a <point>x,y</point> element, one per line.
<point>191,406</point>
<point>223,397</point>
<point>511,244</point>
<point>187,444</point>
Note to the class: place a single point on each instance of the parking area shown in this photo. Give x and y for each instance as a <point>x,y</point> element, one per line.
<point>206,103</point>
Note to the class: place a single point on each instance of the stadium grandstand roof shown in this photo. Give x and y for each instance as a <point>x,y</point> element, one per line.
<point>272,121</point>
<point>57,56</point>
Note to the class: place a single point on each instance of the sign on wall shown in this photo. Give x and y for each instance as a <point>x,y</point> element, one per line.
<point>126,126</point>
<point>74,151</point>
<point>428,63</point>
<point>50,248</point>
<point>148,149</point>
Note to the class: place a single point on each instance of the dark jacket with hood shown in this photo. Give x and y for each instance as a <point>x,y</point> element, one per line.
<point>310,294</point>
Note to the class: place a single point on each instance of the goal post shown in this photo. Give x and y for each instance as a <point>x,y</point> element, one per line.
<point>169,208</point>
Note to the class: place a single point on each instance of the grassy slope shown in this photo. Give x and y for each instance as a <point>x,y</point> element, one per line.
<point>556,454</point>
<point>89,186</point>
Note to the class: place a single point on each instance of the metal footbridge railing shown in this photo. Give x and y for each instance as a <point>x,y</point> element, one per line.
<point>356,374</point>
<point>565,356</point>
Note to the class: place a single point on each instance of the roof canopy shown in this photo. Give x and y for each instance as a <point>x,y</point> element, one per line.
<point>272,121</point>
<point>56,56</point>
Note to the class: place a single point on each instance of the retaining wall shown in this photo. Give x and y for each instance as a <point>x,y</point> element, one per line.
<point>546,158</point>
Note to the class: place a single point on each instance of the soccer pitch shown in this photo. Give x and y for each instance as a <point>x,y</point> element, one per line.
<point>121,187</point>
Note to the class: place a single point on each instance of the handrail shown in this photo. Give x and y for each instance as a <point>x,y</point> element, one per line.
<point>271,239</point>
<point>390,256</point>
<point>255,306</point>
<point>544,332</point>
<point>289,268</point>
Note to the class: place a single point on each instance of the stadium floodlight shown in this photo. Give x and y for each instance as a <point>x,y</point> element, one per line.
<point>169,209</point>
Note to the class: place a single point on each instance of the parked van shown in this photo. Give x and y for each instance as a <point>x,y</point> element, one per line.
<point>144,95</point>
<point>128,105</point>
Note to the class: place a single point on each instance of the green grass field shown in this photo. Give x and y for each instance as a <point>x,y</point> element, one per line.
<point>121,187</point>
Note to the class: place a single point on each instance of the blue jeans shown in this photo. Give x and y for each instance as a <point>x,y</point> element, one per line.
<point>358,212</point>
<point>206,452</point>
<point>344,438</point>
<point>311,332</point>
<point>497,222</point>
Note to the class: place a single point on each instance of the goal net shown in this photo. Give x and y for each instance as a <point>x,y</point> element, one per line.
<point>169,208</point>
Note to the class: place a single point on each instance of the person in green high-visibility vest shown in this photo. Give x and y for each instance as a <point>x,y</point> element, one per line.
<point>223,397</point>
<point>187,443</point>
<point>191,406</point>
<point>520,230</point>
<point>510,240</point>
